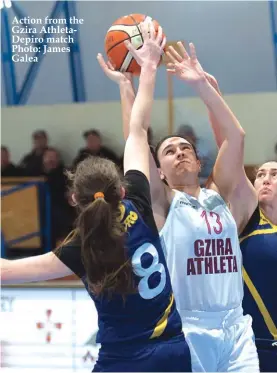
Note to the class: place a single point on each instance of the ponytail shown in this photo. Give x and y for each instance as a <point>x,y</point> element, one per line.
<point>102,247</point>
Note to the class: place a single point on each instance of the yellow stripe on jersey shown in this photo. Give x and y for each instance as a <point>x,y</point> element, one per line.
<point>254,292</point>
<point>263,221</point>
<point>259,231</point>
<point>161,325</point>
<point>267,318</point>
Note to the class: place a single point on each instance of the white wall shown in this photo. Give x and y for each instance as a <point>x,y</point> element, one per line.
<point>233,40</point>
<point>65,123</point>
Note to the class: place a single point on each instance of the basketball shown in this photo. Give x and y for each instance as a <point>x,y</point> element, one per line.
<point>125,28</point>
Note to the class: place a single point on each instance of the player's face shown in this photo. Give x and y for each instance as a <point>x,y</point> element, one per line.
<point>177,159</point>
<point>266,183</point>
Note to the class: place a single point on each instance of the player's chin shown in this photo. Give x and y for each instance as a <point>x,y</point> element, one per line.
<point>181,171</point>
<point>268,197</point>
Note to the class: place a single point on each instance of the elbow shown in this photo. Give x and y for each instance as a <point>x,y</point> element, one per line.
<point>240,137</point>
<point>242,133</point>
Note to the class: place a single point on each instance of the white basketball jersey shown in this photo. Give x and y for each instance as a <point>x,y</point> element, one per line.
<point>201,244</point>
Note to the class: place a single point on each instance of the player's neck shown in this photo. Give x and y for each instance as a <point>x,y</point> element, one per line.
<point>191,189</point>
<point>270,212</point>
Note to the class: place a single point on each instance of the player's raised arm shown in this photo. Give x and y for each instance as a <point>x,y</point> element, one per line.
<point>127,94</point>
<point>229,161</point>
<point>136,154</point>
<point>244,199</point>
<point>148,58</point>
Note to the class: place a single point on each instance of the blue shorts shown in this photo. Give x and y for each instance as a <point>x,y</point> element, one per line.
<point>160,356</point>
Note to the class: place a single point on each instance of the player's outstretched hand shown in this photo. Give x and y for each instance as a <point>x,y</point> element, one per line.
<point>154,43</point>
<point>116,76</point>
<point>185,65</point>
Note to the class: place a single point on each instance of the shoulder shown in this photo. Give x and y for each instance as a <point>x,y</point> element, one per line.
<point>108,152</point>
<point>138,187</point>
<point>138,193</point>
<point>27,156</point>
<point>70,255</point>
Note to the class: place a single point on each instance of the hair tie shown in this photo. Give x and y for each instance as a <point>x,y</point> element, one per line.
<point>99,195</point>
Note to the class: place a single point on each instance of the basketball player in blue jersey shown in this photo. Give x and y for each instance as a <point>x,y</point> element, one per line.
<point>198,231</point>
<point>116,249</point>
<point>258,243</point>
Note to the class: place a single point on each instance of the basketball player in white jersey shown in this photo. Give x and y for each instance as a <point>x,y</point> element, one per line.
<point>199,233</point>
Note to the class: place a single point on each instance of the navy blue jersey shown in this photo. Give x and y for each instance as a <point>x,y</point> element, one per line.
<point>150,313</point>
<point>259,250</point>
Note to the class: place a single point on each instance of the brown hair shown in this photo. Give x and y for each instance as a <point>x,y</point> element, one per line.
<point>98,224</point>
<point>155,154</point>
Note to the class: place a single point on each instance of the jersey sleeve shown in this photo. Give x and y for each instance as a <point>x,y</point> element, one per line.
<point>70,255</point>
<point>138,192</point>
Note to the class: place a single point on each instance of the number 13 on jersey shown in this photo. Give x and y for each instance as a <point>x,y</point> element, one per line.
<point>213,222</point>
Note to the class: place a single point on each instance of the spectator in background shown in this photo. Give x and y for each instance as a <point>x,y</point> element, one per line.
<point>94,147</point>
<point>205,153</point>
<point>61,212</point>
<point>8,169</point>
<point>32,162</point>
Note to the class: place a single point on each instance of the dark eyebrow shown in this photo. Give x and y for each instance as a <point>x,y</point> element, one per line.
<point>270,169</point>
<point>186,144</point>
<point>179,144</point>
<point>166,148</point>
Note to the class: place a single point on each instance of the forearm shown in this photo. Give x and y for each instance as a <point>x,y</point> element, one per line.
<point>8,275</point>
<point>216,129</point>
<point>127,96</point>
<point>213,121</point>
<point>224,123</point>
<point>144,100</point>
<point>32,269</point>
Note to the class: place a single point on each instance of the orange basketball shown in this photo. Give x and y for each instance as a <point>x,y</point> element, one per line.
<point>125,28</point>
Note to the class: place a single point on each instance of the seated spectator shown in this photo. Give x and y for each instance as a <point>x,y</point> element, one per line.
<point>205,151</point>
<point>32,162</point>
<point>62,214</point>
<point>94,147</point>
<point>8,169</point>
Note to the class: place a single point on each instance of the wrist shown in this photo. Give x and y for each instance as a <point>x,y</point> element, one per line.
<point>149,67</point>
<point>148,72</point>
<point>201,85</point>
<point>124,82</point>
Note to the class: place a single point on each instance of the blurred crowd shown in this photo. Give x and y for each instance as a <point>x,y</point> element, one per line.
<point>45,161</point>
